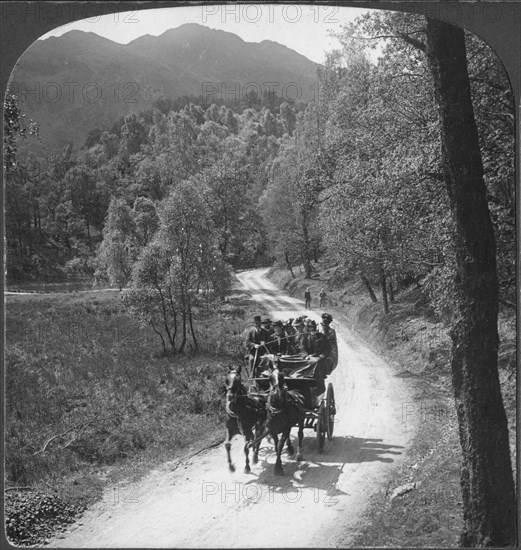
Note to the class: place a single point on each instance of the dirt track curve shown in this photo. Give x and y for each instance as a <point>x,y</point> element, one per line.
<point>317,503</point>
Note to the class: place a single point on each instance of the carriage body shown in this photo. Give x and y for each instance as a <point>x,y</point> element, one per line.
<point>300,375</point>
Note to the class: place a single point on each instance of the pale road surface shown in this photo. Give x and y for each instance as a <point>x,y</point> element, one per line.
<point>317,503</point>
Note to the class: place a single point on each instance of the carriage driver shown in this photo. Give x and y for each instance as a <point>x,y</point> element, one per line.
<point>266,323</point>
<point>255,343</point>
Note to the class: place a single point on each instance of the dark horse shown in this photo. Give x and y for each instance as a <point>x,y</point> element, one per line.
<point>244,413</point>
<point>285,410</point>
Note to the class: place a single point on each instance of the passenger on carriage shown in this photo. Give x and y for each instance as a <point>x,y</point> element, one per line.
<point>331,341</point>
<point>279,340</point>
<point>291,333</point>
<point>255,343</point>
<point>298,324</point>
<point>313,344</point>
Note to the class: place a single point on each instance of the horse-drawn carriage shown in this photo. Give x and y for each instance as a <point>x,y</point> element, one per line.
<point>304,376</point>
<point>282,392</point>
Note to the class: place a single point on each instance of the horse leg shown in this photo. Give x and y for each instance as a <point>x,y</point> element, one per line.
<point>228,445</point>
<point>284,436</point>
<point>300,438</point>
<point>289,446</point>
<point>248,438</point>
<point>278,449</point>
<point>259,438</point>
<point>247,468</point>
<point>256,443</point>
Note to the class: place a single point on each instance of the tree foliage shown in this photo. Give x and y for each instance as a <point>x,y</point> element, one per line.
<point>354,177</point>
<point>177,271</point>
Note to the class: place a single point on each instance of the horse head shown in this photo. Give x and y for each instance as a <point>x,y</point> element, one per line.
<point>276,395</point>
<point>233,379</point>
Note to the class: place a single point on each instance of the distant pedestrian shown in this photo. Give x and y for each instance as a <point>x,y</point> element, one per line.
<point>322,296</point>
<point>307,298</point>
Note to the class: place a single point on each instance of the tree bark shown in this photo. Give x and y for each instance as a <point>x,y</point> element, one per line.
<point>391,290</point>
<point>383,285</point>
<point>489,504</point>
<point>192,332</point>
<point>183,341</point>
<point>306,252</point>
<point>165,319</point>
<point>288,263</point>
<point>368,287</point>
<point>160,336</point>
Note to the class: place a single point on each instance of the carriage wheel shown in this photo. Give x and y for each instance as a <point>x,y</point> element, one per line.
<point>330,410</point>
<point>321,427</point>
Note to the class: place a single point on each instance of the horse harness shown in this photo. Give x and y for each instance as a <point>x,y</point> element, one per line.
<point>244,402</point>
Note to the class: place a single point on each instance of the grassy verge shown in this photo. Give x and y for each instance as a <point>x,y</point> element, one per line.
<point>90,401</point>
<point>418,347</point>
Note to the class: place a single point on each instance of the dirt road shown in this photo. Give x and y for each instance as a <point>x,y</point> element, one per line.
<point>318,502</point>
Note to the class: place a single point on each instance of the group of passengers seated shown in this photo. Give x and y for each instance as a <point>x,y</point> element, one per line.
<point>298,336</point>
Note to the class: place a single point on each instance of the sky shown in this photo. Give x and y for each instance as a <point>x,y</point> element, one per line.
<point>303,28</point>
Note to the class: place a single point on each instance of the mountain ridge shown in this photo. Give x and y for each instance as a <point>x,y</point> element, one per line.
<point>80,80</point>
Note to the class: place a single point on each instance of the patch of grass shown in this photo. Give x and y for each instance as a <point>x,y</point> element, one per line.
<point>430,514</point>
<point>87,391</point>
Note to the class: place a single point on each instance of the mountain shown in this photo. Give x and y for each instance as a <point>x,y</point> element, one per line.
<point>79,81</point>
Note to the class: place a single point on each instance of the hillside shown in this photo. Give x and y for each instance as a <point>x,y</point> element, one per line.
<point>79,81</point>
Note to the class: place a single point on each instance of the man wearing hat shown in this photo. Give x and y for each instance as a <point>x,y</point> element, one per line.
<point>266,323</point>
<point>313,345</point>
<point>298,325</point>
<point>255,340</point>
<point>331,342</point>
<point>279,340</point>
<point>291,332</point>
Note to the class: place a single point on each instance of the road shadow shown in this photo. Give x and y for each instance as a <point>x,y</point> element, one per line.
<point>320,472</point>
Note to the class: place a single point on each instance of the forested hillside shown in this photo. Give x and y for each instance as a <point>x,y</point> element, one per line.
<point>80,81</point>
<point>354,177</point>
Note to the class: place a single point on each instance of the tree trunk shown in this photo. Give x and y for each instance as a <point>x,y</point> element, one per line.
<point>165,319</point>
<point>160,336</point>
<point>489,504</point>
<point>307,267</point>
<point>306,255</point>
<point>383,285</point>
<point>183,341</point>
<point>288,263</point>
<point>368,287</point>
<point>391,290</point>
<point>192,331</point>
